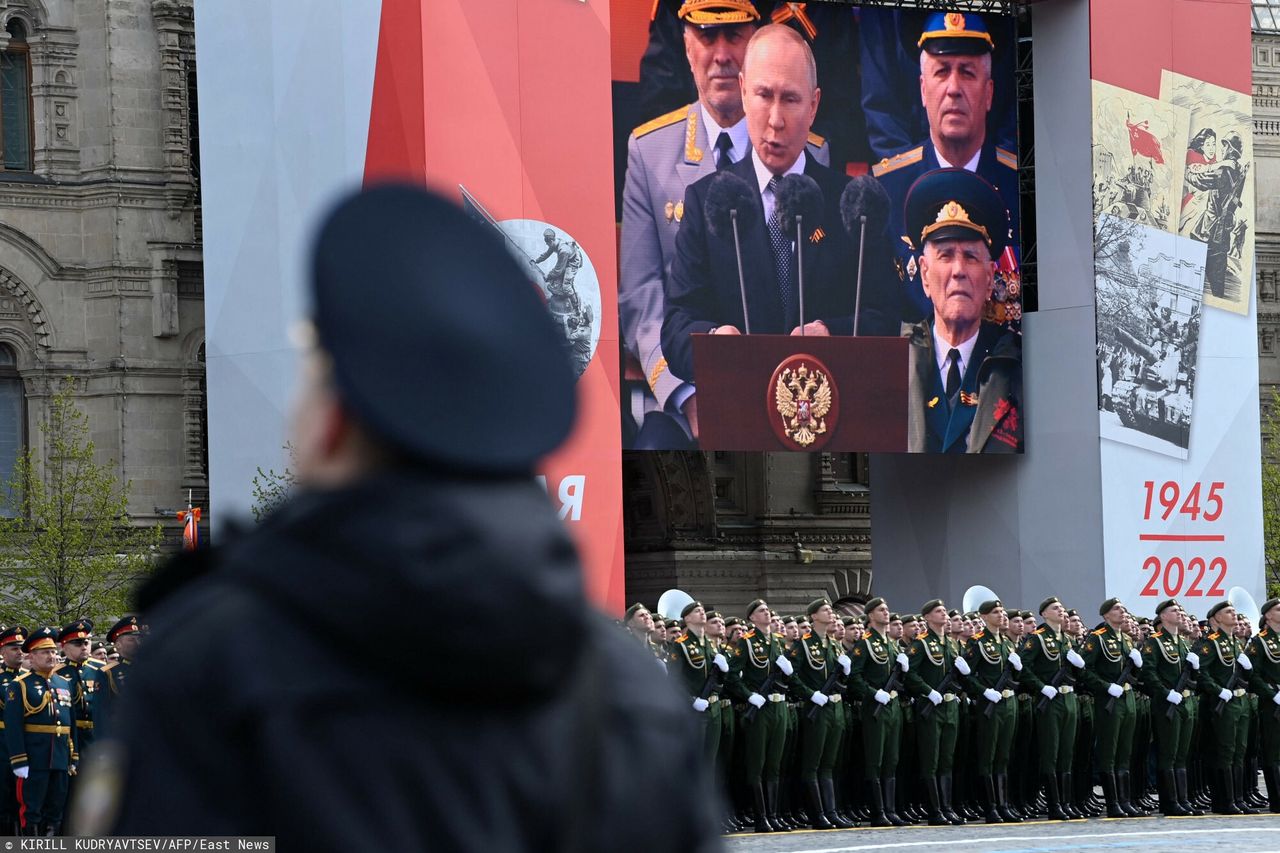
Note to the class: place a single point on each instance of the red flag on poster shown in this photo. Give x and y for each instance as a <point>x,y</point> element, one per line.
<point>1142,141</point>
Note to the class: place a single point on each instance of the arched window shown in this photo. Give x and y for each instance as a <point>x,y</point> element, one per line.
<point>13,421</point>
<point>15,100</point>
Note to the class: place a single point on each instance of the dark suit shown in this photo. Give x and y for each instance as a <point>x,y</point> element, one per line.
<point>703,292</point>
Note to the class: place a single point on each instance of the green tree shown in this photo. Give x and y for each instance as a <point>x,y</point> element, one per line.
<point>1271,491</point>
<point>68,547</point>
<point>271,488</point>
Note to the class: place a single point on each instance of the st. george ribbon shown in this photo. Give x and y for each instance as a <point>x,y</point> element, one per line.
<point>798,200</point>
<point>864,206</point>
<point>727,197</point>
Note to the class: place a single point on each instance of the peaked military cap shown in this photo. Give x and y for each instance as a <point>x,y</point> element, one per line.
<point>126,625</point>
<point>41,638</point>
<point>950,33</point>
<point>955,204</point>
<point>1165,605</point>
<point>930,605</point>
<point>1221,605</point>
<point>872,604</point>
<point>14,635</point>
<point>717,13</point>
<point>414,300</point>
<point>987,606</point>
<point>80,629</point>
<point>754,606</point>
<point>816,605</point>
<point>1107,605</point>
<point>1049,602</point>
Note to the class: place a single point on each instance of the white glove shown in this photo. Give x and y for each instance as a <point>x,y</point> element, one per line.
<point>1049,691</point>
<point>1115,690</point>
<point>756,699</point>
<point>935,697</point>
<point>71,770</point>
<point>962,666</point>
<point>1194,660</point>
<point>1276,698</point>
<point>991,695</point>
<point>1245,662</point>
<point>1015,661</point>
<point>21,772</point>
<point>784,665</point>
<point>721,663</point>
<point>903,662</point>
<point>1225,695</point>
<point>700,705</point>
<point>1175,697</point>
<point>819,699</point>
<point>1073,658</point>
<point>882,697</point>
<point>1136,657</point>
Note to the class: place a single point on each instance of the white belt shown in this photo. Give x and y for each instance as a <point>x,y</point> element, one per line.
<point>1065,689</point>
<point>1007,694</point>
<point>949,697</point>
<point>1127,687</point>
<point>893,694</point>
<point>713,699</point>
<point>834,698</point>
<point>1186,694</point>
<point>776,697</point>
<point>1238,692</point>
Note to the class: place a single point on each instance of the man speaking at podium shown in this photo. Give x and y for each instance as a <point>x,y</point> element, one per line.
<point>966,373</point>
<point>780,97</point>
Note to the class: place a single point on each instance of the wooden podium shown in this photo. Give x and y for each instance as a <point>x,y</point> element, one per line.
<point>837,393</point>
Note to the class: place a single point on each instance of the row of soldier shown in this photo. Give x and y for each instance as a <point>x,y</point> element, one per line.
<point>57,688</point>
<point>796,709</point>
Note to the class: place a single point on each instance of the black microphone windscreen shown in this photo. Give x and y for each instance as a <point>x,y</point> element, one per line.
<point>727,193</point>
<point>864,196</point>
<point>798,195</point>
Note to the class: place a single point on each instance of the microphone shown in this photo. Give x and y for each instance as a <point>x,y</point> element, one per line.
<point>728,197</point>
<point>798,200</point>
<point>864,206</point>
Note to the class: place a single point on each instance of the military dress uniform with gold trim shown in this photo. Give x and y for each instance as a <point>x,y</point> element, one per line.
<point>754,663</point>
<point>87,680</point>
<point>40,734</point>
<point>1106,652</point>
<point>691,662</point>
<point>1264,652</point>
<point>8,783</point>
<point>988,657</point>
<point>1044,660</point>
<point>1230,729</point>
<point>1164,656</point>
<point>932,657</point>
<point>874,662</point>
<point>813,663</point>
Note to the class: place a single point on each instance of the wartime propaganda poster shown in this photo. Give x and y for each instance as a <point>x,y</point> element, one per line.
<point>1217,188</point>
<point>1136,143</point>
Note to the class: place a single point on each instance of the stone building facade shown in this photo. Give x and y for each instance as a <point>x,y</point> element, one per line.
<point>1266,149</point>
<point>100,262</point>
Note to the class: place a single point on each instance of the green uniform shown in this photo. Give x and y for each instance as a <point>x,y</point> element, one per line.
<point>1230,729</point>
<point>690,661</point>
<point>1106,653</point>
<point>814,661</point>
<point>754,664</point>
<point>1164,657</point>
<point>1264,652</point>
<point>988,657</point>
<point>874,662</point>
<point>932,657</point>
<point>1044,664</point>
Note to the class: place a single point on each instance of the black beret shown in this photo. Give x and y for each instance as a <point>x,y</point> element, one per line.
<point>441,344</point>
<point>848,621</point>
<point>816,605</point>
<point>731,621</point>
<point>714,614</point>
<point>633,610</point>
<point>788,620</point>
<point>956,204</point>
<point>953,613</point>
<point>873,604</point>
<point>987,606</point>
<point>1107,605</point>
<point>1072,612</point>
<point>1049,602</point>
<point>1221,605</point>
<point>126,625</point>
<point>1268,604</point>
<point>16,634</point>
<point>1165,605</point>
<point>894,617</point>
<point>754,606</point>
<point>77,630</point>
<point>690,607</point>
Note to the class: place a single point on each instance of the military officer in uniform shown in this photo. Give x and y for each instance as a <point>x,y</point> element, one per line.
<point>934,676</point>
<point>700,670</point>
<point>84,673</point>
<point>876,678</point>
<point>1110,658</point>
<point>126,636</point>
<point>11,640</point>
<point>991,685</point>
<point>1049,665</point>
<point>665,156</point>
<point>1224,672</point>
<point>1264,652</point>
<point>1167,673</point>
<point>40,735</point>
<point>957,91</point>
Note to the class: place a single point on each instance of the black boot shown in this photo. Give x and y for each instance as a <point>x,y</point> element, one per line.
<point>828,790</point>
<point>771,807</point>
<point>762,809</point>
<point>1238,790</point>
<point>1066,796</point>
<point>890,786</point>
<point>934,798</point>
<point>814,795</point>
<point>1224,791</point>
<point>1112,797</point>
<point>875,796</point>
<point>944,791</point>
<point>1002,800</point>
<point>989,787</point>
<point>1053,800</point>
<point>1122,789</point>
<point>1180,792</point>
<point>1169,805</point>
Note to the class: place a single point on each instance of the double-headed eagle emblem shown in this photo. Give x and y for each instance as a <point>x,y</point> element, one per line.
<point>803,398</point>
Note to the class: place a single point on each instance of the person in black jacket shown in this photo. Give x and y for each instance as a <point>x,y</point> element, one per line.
<point>274,696</point>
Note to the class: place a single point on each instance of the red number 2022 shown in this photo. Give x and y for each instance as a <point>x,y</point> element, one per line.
<point>1169,578</point>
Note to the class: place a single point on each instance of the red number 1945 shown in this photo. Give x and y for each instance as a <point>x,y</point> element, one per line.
<point>1169,494</point>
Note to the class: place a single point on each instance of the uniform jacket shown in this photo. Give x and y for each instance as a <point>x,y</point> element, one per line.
<point>1163,657</point>
<point>703,289</point>
<point>988,657</point>
<point>39,723</point>
<point>1264,653</point>
<point>1106,651</point>
<point>813,660</point>
<point>873,661</point>
<point>275,695</point>
<point>1044,654</point>
<point>754,661</point>
<point>932,657</point>
<point>690,661</point>
<point>1218,654</point>
<point>987,417</point>
<point>664,157</point>
<point>86,680</point>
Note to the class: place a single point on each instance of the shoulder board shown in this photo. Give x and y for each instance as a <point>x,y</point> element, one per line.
<point>1006,158</point>
<point>1099,632</point>
<point>897,161</point>
<point>922,635</point>
<point>1213,636</point>
<point>816,140</point>
<point>1159,632</point>
<point>109,666</point>
<point>806,635</point>
<point>981,633</point>
<point>780,636</point>
<point>20,677</point>
<point>662,121</point>
<point>750,633</point>
<point>682,638</point>
<point>1039,630</point>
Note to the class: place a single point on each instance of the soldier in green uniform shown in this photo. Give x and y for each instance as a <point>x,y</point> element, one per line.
<point>789,794</point>
<point>11,640</point>
<point>760,670</point>
<point>1110,659</point>
<point>1264,652</point>
<point>816,663</point>
<point>994,663</point>
<point>1167,670</point>
<point>694,663</point>
<point>1224,671</point>
<point>40,736</point>
<point>934,676</point>
<point>1049,666</point>
<point>717,632</point>
<point>878,667</point>
<point>639,623</point>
